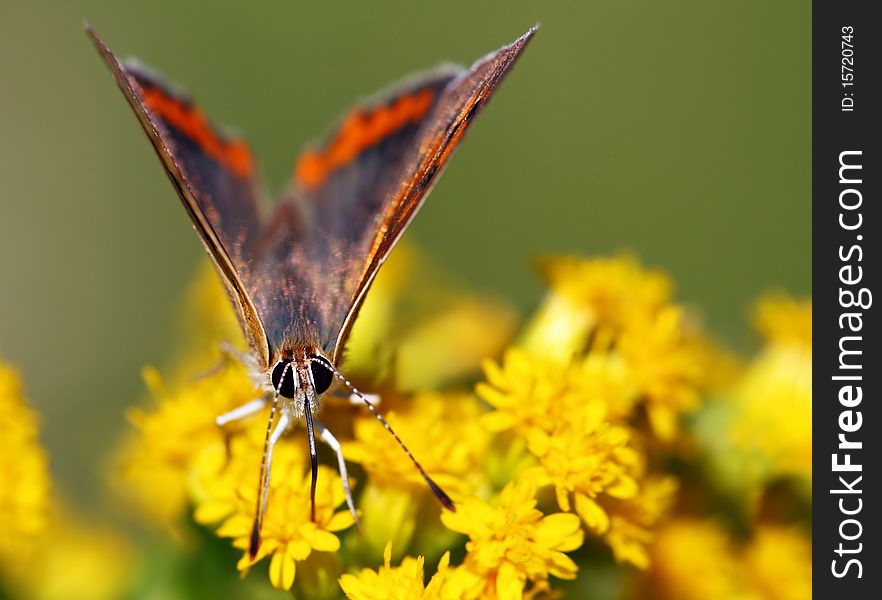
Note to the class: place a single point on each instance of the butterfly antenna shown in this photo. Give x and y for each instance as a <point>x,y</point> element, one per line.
<point>263,483</point>
<point>440,494</point>
<point>313,458</point>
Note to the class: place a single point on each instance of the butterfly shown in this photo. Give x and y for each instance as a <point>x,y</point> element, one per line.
<point>296,276</point>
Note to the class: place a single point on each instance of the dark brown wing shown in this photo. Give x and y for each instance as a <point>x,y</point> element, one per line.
<point>360,190</point>
<point>461,102</point>
<point>301,279</point>
<point>214,177</point>
<point>304,288</point>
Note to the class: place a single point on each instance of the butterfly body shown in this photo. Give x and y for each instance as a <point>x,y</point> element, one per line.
<point>297,276</point>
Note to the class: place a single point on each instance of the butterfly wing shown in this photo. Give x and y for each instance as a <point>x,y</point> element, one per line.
<point>362,187</point>
<point>301,278</point>
<point>214,177</point>
<point>303,290</point>
<point>462,101</point>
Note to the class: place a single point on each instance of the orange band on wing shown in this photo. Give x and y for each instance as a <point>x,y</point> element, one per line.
<point>361,130</point>
<point>192,123</point>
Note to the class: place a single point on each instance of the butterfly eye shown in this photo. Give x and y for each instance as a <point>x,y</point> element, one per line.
<point>287,387</point>
<point>321,376</point>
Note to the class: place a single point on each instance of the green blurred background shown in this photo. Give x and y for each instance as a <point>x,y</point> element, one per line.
<point>680,130</point>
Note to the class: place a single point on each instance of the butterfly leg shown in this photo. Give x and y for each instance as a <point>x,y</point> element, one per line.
<point>281,426</point>
<point>246,410</point>
<point>330,440</point>
<point>266,470</point>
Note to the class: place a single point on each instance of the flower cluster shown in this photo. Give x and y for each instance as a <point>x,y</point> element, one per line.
<point>511,543</point>
<point>774,397</point>
<point>756,443</point>
<point>443,431</point>
<point>699,559</point>
<point>25,500</point>
<point>181,458</point>
<point>407,581</point>
<point>607,347</point>
<point>46,552</point>
<point>226,493</point>
<point>569,435</point>
<point>615,310</point>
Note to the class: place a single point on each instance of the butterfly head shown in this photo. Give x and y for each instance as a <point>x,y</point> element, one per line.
<point>289,372</point>
<point>300,378</point>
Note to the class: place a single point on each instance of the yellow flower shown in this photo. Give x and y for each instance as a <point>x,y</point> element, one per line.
<point>536,393</point>
<point>632,521</point>
<point>784,321</point>
<point>591,297</point>
<point>405,582</point>
<point>779,563</point>
<point>612,314</point>
<point>45,553</point>
<point>773,400</point>
<point>699,559</point>
<point>441,430</point>
<point>511,543</point>
<point>24,494</point>
<point>585,460</point>
<point>695,560</point>
<point>587,401</point>
<point>444,433</point>
<point>668,362</point>
<point>528,392</point>
<point>288,535</point>
<point>157,460</point>
<point>607,379</point>
<point>79,559</point>
<point>419,330</point>
<point>571,415</point>
<point>219,469</point>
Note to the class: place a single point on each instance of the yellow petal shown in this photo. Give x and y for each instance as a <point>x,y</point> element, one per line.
<point>298,549</point>
<point>498,421</point>
<point>624,487</point>
<point>444,562</point>
<point>562,566</point>
<point>663,421</point>
<point>456,521</point>
<point>560,531</point>
<point>316,538</point>
<point>212,512</point>
<point>563,498</point>
<point>340,520</point>
<point>351,586</point>
<point>494,373</point>
<point>538,441</point>
<point>244,564</point>
<point>387,554</point>
<point>281,571</point>
<point>324,541</point>
<point>236,526</point>
<point>592,513</point>
<point>493,396</point>
<point>509,582</point>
